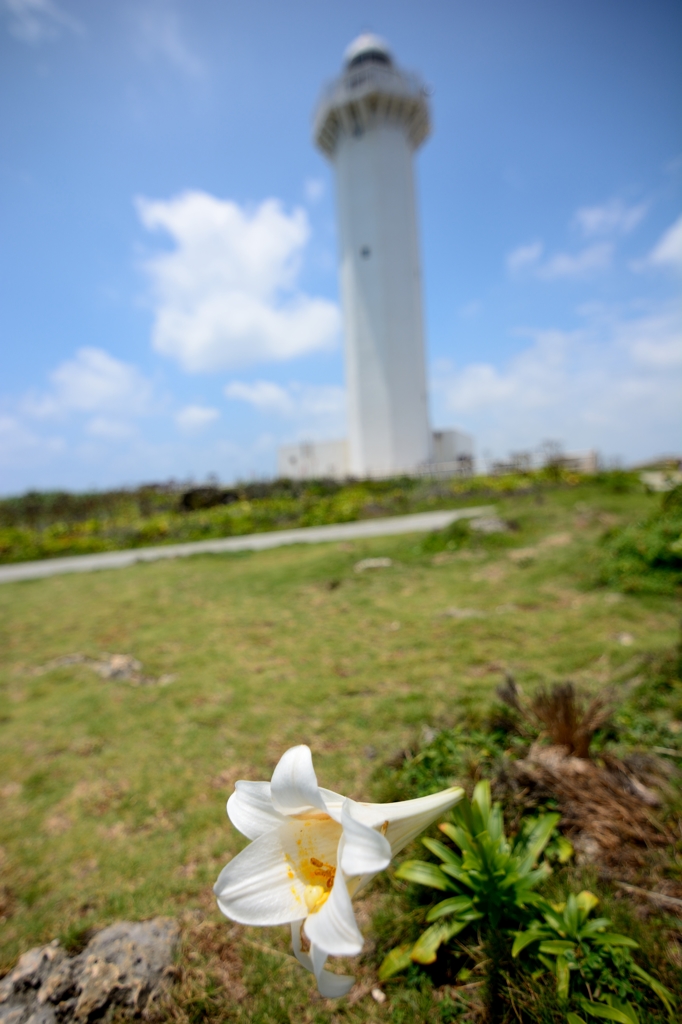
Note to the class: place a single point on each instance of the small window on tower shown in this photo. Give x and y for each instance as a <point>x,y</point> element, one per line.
<point>365,251</point>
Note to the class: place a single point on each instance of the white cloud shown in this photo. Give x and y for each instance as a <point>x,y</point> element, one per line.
<point>94,382</point>
<point>613,217</point>
<point>581,264</point>
<point>470,309</point>
<point>523,257</point>
<point>96,399</point>
<point>226,295</point>
<point>610,219</point>
<point>613,384</point>
<point>110,429</point>
<point>592,258</point>
<point>668,250</point>
<point>314,189</point>
<point>264,395</point>
<point>159,33</point>
<point>317,408</point>
<point>195,418</point>
<point>14,435</point>
<point>34,21</point>
<point>19,444</point>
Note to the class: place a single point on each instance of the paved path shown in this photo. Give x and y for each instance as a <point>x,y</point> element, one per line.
<point>422,522</point>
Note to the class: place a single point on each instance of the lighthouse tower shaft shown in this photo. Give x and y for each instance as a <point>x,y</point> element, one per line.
<point>369,123</point>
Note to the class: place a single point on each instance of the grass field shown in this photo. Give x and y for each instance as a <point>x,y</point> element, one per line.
<point>112,795</point>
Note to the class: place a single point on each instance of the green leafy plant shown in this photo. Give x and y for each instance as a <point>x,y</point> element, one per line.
<point>571,944</point>
<point>610,1009</point>
<point>492,880</point>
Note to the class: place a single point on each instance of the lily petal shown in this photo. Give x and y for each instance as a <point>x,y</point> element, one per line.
<point>333,927</point>
<point>294,786</point>
<point>409,817</point>
<point>259,886</point>
<point>333,803</point>
<point>333,986</point>
<point>250,809</point>
<point>365,851</point>
<point>329,985</point>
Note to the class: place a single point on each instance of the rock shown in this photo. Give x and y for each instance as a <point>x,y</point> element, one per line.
<point>488,524</point>
<point>45,1015</point>
<point>30,973</point>
<point>373,563</point>
<point>126,964</point>
<point>58,983</point>
<point>11,1014</point>
<point>98,983</point>
<point>587,849</point>
<point>463,613</point>
<point>118,666</point>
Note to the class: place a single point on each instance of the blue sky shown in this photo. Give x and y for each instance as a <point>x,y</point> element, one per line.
<point>169,299</point>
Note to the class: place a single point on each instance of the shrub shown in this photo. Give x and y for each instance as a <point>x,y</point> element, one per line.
<point>647,556</point>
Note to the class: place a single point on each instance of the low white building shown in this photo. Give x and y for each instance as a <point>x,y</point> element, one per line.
<point>319,460</point>
<point>452,453</point>
<point>451,447</point>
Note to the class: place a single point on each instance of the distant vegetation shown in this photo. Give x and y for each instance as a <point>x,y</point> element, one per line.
<point>644,555</point>
<point>49,524</point>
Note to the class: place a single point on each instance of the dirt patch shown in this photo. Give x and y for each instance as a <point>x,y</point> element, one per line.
<point>491,574</point>
<point>109,666</point>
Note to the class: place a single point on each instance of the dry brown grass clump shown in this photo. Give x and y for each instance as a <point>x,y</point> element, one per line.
<point>607,806</point>
<point>565,718</point>
<point>606,811</point>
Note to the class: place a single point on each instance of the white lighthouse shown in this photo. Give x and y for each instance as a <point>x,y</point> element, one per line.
<point>369,123</point>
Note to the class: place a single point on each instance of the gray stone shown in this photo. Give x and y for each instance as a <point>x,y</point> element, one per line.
<point>21,985</point>
<point>11,1014</point>
<point>463,613</point>
<point>59,982</point>
<point>44,1015</point>
<point>373,563</point>
<point>127,964</point>
<point>489,524</point>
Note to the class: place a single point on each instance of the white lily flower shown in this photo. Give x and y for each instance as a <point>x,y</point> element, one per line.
<point>311,851</point>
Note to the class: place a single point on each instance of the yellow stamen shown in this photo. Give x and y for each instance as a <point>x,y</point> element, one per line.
<point>315,897</point>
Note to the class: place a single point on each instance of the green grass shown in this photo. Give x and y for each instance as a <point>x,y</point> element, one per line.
<point>112,796</point>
